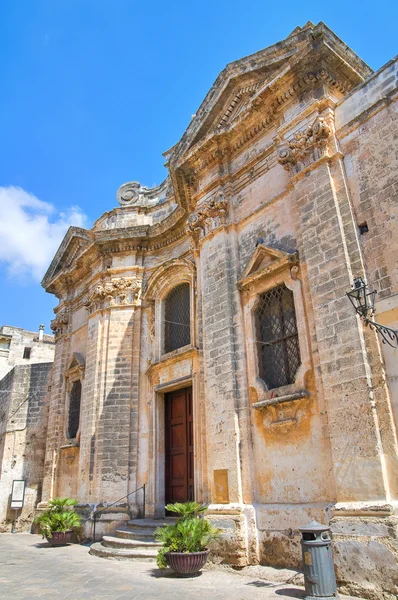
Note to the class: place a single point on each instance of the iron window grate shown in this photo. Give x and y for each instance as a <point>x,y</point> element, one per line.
<point>177,318</point>
<point>277,342</point>
<point>74,409</point>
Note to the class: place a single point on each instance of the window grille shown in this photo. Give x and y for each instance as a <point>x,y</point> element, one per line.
<point>26,352</point>
<point>74,409</point>
<point>177,318</point>
<point>278,349</point>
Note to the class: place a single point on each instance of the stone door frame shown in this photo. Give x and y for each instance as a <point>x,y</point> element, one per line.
<point>156,466</point>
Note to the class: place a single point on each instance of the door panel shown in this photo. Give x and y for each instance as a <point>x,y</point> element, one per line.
<point>179,463</point>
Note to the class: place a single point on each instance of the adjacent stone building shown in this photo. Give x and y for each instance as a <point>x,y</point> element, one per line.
<point>205,343</point>
<point>25,362</point>
<point>21,347</point>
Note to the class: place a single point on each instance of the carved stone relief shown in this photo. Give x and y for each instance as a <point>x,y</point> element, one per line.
<point>306,147</point>
<point>208,216</point>
<point>125,291</point>
<point>59,325</point>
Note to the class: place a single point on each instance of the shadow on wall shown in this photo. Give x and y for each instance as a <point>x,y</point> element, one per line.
<point>113,446</point>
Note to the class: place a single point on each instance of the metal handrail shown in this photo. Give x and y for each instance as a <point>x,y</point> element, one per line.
<point>98,512</point>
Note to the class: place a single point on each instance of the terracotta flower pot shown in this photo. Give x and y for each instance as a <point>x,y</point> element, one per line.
<point>60,538</point>
<point>186,563</point>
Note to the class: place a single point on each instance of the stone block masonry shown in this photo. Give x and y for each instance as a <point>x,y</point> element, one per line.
<point>280,407</point>
<point>23,425</point>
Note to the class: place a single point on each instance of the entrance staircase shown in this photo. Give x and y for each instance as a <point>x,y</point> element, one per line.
<point>134,542</point>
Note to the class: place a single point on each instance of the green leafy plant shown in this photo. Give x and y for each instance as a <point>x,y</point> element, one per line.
<point>60,516</point>
<point>186,510</point>
<point>190,534</point>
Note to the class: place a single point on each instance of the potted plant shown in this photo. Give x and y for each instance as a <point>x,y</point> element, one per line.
<point>185,544</point>
<point>58,521</point>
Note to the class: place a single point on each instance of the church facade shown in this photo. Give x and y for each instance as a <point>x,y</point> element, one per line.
<point>205,345</point>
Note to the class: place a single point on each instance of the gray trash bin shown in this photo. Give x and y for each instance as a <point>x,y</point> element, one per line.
<point>319,577</point>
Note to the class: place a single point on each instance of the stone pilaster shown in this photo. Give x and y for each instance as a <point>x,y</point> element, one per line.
<point>56,419</point>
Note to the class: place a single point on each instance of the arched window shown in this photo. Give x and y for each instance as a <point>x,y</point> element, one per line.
<point>278,349</point>
<point>74,409</point>
<point>177,318</point>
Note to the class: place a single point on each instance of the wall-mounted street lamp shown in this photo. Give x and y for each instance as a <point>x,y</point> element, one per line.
<point>363,300</point>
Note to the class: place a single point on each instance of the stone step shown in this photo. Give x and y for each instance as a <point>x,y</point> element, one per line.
<point>114,542</point>
<point>134,541</point>
<point>129,534</point>
<point>150,523</point>
<point>137,554</point>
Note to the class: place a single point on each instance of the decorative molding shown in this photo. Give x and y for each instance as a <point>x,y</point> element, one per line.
<point>207,216</point>
<point>133,193</point>
<point>284,412</point>
<point>125,291</point>
<point>209,149</point>
<point>128,193</point>
<point>60,324</point>
<point>306,147</point>
<point>151,320</point>
<point>280,399</point>
<point>265,262</point>
<point>75,370</point>
<point>166,276</point>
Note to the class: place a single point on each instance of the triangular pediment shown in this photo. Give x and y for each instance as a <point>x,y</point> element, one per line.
<point>263,257</point>
<point>241,82</point>
<point>75,241</point>
<point>77,361</point>
<point>265,260</point>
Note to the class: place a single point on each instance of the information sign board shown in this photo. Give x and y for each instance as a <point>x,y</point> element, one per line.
<point>18,493</point>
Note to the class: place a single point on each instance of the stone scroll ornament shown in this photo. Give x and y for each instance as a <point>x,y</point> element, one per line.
<point>129,193</point>
<point>305,147</point>
<point>207,216</point>
<point>59,325</point>
<point>117,292</point>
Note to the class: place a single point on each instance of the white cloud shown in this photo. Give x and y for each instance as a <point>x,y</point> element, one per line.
<point>31,231</point>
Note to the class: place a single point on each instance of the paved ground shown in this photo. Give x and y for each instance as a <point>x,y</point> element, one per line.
<point>29,568</point>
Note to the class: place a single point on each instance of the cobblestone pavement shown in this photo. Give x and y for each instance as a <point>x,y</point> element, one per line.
<point>29,568</point>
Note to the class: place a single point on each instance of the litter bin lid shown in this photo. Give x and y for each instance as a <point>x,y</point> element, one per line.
<point>314,526</point>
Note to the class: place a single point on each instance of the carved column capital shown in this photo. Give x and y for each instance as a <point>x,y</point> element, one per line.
<point>211,213</point>
<point>59,325</point>
<point>306,147</point>
<point>124,291</point>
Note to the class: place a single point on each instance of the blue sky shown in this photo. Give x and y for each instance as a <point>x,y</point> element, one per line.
<point>93,91</point>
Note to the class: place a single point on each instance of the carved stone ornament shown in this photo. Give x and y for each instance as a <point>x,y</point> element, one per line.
<point>59,325</point>
<point>208,215</point>
<point>128,193</point>
<point>151,321</point>
<point>305,148</point>
<point>115,292</point>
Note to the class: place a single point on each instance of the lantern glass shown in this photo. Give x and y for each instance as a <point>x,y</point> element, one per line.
<point>362,298</point>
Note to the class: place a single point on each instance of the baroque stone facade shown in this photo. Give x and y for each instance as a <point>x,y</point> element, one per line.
<point>212,309</point>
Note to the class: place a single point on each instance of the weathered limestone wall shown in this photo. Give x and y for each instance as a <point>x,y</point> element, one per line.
<point>365,537</point>
<point>23,424</point>
<point>276,197</point>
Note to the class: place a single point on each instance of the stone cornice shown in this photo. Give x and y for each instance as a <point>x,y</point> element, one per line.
<point>171,358</point>
<point>259,116</point>
<point>304,46</point>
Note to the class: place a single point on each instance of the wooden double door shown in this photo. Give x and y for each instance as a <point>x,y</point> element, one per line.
<point>179,452</point>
